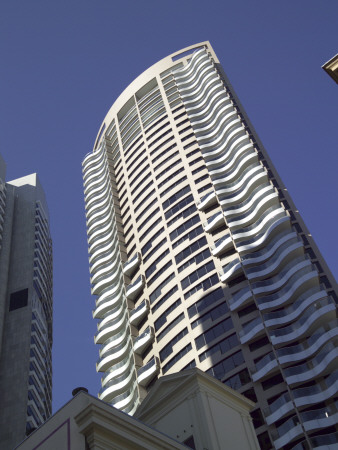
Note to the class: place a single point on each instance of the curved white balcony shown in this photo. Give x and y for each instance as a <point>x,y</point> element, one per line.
<point>261,225</point>
<point>250,173</point>
<point>316,394</point>
<point>287,432</point>
<point>312,420</point>
<point>256,210</point>
<point>115,386</point>
<point>113,355</point>
<point>276,225</point>
<point>207,200</point>
<point>290,250</point>
<point>264,367</point>
<point>278,409</point>
<point>319,418</point>
<point>146,373</point>
<point>105,257</point>
<point>223,124</point>
<point>99,233</point>
<point>109,299</point>
<point>130,266</point>
<point>135,288</point>
<point>323,442</point>
<point>142,341</point>
<point>101,194</point>
<point>106,281</point>
<point>222,245</point>
<point>261,256</point>
<point>240,159</point>
<point>223,163</point>
<point>251,330</point>
<point>220,112</point>
<point>105,275</point>
<point>323,363</point>
<point>290,313</point>
<point>116,341</point>
<point>194,98</point>
<point>214,221</point>
<point>110,328</point>
<point>137,314</point>
<point>276,282</point>
<point>317,314</point>
<point>231,270</point>
<point>299,282</point>
<point>124,365</point>
<point>99,224</point>
<point>209,90</point>
<point>244,207</point>
<point>296,353</point>
<point>241,298</point>
<point>127,401</point>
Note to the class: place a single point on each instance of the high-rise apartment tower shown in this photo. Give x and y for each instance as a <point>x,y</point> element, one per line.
<point>25,308</point>
<point>198,256</point>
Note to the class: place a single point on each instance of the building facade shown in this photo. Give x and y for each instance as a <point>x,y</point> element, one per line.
<point>25,308</point>
<point>198,256</point>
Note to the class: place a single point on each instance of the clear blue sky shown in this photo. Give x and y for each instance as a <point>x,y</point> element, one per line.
<point>64,62</point>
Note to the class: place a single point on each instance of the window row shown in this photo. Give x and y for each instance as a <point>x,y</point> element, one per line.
<point>204,188</point>
<point>139,184</point>
<point>190,249</point>
<point>214,333</point>
<point>155,124</point>
<point>205,302</point>
<point>152,226</point>
<point>155,132</point>
<point>199,273</point>
<point>176,358</point>
<point>144,200</point>
<point>164,298</point>
<point>170,177</point>
<point>178,207</point>
<point>153,266</point>
<point>158,291</point>
<point>149,244</point>
<point>154,250</point>
<point>167,169</point>
<point>162,194</point>
<point>191,235</point>
<point>146,221</point>
<point>164,162</point>
<point>184,227</point>
<point>200,257</point>
<point>205,285</point>
<point>157,274</point>
<point>225,366</point>
<point>144,211</point>
<point>222,347</point>
<point>159,138</point>
<point>175,197</point>
<point>170,138</point>
<point>185,213</point>
<point>168,349</point>
<point>163,318</point>
<point>212,315</point>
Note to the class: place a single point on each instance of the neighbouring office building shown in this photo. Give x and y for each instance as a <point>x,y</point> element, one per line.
<point>198,256</point>
<point>25,308</point>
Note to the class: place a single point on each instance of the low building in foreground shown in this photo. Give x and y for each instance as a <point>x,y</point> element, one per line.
<point>184,410</point>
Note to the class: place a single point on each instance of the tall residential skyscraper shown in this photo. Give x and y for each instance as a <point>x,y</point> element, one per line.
<point>198,256</point>
<point>25,308</point>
